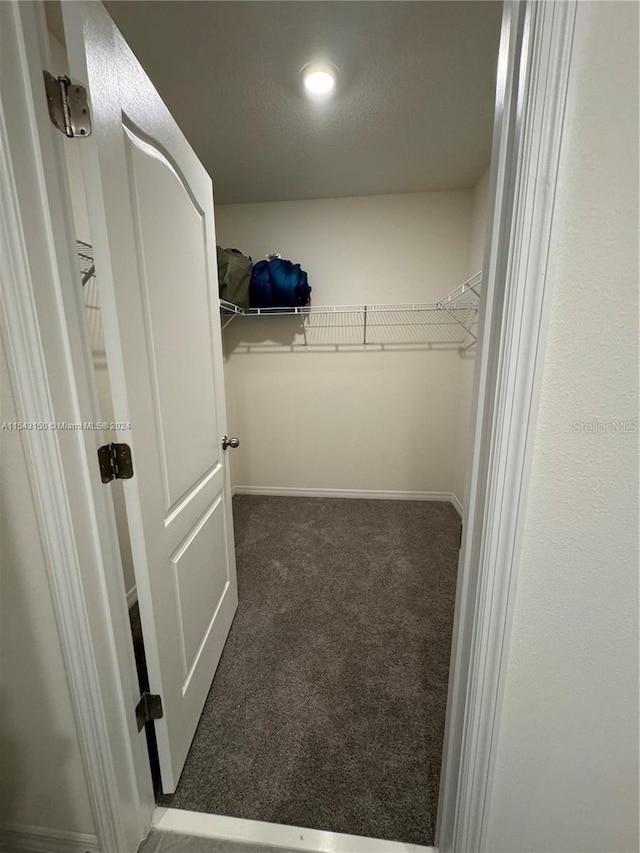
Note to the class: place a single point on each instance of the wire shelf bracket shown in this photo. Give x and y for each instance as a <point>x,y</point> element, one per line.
<point>85,261</point>
<point>467,294</point>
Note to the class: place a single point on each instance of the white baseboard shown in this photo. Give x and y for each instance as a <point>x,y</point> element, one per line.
<point>456,503</point>
<point>359,494</point>
<point>16,838</point>
<point>132,596</point>
<point>274,835</point>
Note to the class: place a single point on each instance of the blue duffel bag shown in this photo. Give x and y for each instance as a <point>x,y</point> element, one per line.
<point>277,283</point>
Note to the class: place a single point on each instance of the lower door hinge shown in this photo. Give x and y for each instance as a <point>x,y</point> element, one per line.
<point>148,708</point>
<point>68,105</point>
<point>115,462</point>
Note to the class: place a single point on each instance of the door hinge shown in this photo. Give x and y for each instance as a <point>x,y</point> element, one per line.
<point>148,708</point>
<point>68,105</point>
<point>115,462</point>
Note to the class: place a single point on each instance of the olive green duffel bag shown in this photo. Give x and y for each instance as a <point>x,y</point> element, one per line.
<point>234,276</point>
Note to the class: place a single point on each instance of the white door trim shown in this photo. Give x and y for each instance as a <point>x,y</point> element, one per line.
<point>53,380</point>
<point>536,46</point>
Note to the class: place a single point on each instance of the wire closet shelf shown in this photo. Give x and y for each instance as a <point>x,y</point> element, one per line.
<point>450,322</point>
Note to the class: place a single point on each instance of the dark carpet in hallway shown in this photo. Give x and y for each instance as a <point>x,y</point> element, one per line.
<point>328,706</point>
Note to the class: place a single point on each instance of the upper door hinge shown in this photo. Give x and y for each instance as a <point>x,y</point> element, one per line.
<point>115,462</point>
<point>68,105</point>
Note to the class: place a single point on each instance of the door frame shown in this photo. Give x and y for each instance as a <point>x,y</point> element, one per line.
<point>52,376</point>
<point>533,79</point>
<point>51,372</point>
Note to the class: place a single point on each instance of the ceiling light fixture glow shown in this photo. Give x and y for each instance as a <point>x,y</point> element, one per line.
<point>319,78</point>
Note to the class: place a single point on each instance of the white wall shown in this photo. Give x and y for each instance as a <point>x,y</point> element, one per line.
<point>42,782</point>
<point>478,233</point>
<point>355,420</point>
<point>477,237</point>
<point>567,765</point>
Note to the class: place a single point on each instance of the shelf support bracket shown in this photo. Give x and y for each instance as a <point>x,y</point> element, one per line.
<point>460,323</point>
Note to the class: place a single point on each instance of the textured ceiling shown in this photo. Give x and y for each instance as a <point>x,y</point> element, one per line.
<point>412,111</point>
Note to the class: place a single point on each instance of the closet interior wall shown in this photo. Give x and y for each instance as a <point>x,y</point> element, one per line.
<point>477,239</point>
<point>362,420</point>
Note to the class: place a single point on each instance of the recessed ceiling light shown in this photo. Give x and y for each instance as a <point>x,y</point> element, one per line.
<point>319,78</point>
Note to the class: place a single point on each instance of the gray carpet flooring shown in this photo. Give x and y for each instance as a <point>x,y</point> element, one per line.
<point>327,710</point>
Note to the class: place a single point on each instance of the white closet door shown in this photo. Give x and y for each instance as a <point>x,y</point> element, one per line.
<point>151,217</point>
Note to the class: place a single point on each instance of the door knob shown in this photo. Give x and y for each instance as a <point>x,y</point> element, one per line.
<point>229,442</point>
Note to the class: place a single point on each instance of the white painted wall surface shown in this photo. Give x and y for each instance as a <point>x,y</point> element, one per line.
<point>477,237</point>
<point>356,420</point>
<point>566,778</point>
<point>479,212</point>
<point>42,782</point>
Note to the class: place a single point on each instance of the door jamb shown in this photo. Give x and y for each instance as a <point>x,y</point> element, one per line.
<point>51,372</point>
<point>533,77</point>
